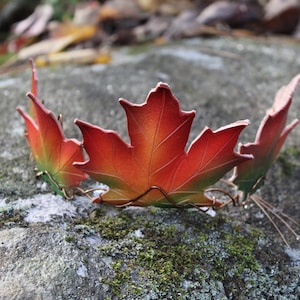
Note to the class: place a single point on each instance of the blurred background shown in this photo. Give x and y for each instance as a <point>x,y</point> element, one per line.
<point>74,31</point>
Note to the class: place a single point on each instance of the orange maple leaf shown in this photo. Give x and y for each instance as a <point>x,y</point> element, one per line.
<point>155,169</point>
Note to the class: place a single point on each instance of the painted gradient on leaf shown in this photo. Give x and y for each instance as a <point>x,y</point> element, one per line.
<point>209,158</point>
<point>53,153</point>
<point>270,137</point>
<point>156,155</point>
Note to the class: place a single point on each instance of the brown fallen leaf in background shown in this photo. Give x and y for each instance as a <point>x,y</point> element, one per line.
<point>13,11</point>
<point>36,23</point>
<point>165,7</point>
<point>231,13</point>
<point>282,16</point>
<point>54,45</point>
<point>80,56</point>
<point>153,28</point>
<point>86,13</point>
<point>120,9</point>
<point>100,24</point>
<point>49,46</point>
<point>184,25</point>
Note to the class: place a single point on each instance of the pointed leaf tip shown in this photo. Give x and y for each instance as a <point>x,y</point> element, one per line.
<point>162,85</point>
<point>285,94</point>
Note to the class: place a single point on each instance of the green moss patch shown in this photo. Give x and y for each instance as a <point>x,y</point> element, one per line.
<point>288,160</point>
<point>180,252</point>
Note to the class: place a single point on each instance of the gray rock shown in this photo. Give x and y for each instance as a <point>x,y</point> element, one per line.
<point>54,249</point>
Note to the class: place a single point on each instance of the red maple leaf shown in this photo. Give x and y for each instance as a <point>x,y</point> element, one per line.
<point>270,137</point>
<point>52,152</point>
<point>155,169</point>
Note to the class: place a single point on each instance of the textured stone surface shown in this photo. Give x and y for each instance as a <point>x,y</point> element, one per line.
<point>52,249</point>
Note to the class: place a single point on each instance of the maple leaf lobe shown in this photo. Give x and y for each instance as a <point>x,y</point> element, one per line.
<point>158,130</point>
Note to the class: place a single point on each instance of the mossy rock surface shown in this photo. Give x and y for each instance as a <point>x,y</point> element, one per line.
<point>144,254</point>
<point>55,249</point>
